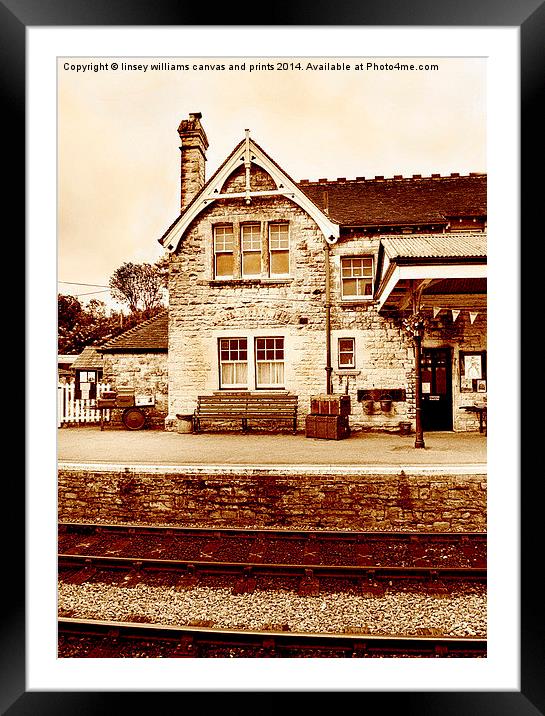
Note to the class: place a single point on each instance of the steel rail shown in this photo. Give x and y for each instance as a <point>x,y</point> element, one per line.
<point>185,640</point>
<point>287,533</point>
<point>202,567</point>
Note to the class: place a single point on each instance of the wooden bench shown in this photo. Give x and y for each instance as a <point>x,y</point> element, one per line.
<point>245,406</point>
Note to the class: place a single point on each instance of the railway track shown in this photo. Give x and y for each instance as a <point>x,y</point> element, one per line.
<point>87,549</point>
<point>94,638</point>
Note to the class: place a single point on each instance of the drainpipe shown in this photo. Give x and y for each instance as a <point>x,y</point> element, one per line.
<point>328,368</point>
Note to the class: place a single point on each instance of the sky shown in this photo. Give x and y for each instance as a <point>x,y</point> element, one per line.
<point>118,146</point>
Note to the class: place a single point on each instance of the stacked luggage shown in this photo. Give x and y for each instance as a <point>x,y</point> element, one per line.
<point>328,418</point>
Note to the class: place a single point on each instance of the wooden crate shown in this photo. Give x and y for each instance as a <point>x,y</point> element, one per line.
<point>327,427</point>
<point>125,398</point>
<point>330,404</point>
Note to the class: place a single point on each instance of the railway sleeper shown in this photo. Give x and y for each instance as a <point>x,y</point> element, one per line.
<point>268,646</point>
<point>135,576</point>
<point>359,650</point>
<point>439,591</point>
<point>209,549</point>
<point>246,584</point>
<point>309,586</point>
<point>371,588</point>
<point>188,580</point>
<point>82,575</point>
<point>185,649</point>
<point>108,646</point>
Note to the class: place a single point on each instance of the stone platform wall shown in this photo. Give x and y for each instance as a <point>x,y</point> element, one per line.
<point>322,498</point>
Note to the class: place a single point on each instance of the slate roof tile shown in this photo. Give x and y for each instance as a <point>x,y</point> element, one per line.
<point>151,335</point>
<point>404,200</point>
<point>88,359</point>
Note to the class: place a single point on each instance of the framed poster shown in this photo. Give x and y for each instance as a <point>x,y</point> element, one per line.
<point>472,370</point>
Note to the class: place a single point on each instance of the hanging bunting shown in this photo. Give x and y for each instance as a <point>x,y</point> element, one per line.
<point>436,310</point>
<point>455,315</point>
<point>473,315</point>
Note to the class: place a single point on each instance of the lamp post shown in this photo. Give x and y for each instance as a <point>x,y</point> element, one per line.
<point>418,333</point>
<point>414,324</point>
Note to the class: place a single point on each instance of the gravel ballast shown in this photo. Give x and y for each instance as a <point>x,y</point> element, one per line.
<point>461,613</point>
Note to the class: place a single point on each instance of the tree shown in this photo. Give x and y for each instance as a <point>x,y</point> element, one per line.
<point>140,286</point>
<point>69,310</point>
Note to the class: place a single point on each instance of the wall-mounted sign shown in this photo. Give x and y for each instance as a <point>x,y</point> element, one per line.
<point>426,387</point>
<point>466,383</point>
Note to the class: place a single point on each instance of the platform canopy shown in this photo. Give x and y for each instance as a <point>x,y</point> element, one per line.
<point>448,270</point>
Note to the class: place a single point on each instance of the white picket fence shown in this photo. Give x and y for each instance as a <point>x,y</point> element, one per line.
<point>78,410</point>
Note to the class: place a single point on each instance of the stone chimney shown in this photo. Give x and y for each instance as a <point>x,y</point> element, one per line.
<point>193,157</point>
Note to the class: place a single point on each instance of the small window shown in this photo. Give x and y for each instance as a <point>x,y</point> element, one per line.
<point>223,251</point>
<point>269,356</point>
<point>233,356</point>
<point>347,353</point>
<point>279,249</point>
<point>357,277</point>
<point>251,249</point>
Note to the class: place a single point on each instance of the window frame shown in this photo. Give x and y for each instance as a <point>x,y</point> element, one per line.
<point>275,250</point>
<point>370,279</point>
<point>270,386</point>
<point>352,352</point>
<point>243,251</point>
<point>221,277</point>
<point>232,386</point>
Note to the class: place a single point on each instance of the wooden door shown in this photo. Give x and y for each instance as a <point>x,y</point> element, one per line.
<point>436,365</point>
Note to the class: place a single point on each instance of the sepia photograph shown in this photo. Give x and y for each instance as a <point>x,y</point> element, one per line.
<point>272,334</point>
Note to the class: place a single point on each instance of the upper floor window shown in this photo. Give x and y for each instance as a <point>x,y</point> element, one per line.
<point>357,277</point>
<point>251,249</point>
<point>279,249</point>
<point>223,251</point>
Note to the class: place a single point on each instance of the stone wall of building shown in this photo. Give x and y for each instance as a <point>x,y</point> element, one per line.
<point>203,309</point>
<point>289,497</point>
<point>146,373</point>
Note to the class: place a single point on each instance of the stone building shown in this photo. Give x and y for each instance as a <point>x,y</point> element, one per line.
<point>137,359</point>
<point>87,369</point>
<point>309,286</point>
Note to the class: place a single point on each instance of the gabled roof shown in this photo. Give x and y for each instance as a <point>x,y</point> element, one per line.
<point>151,336</point>
<point>399,200</point>
<point>88,359</point>
<point>396,201</point>
<point>435,246</point>
<point>245,153</point>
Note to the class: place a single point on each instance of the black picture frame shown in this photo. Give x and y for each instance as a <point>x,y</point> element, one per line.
<point>529,16</point>
<point>461,362</point>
